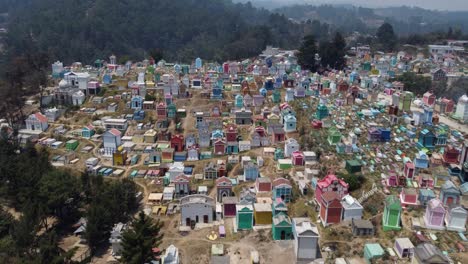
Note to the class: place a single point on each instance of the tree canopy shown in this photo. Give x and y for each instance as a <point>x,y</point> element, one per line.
<point>386,37</point>
<point>140,239</point>
<point>332,52</point>
<point>40,192</point>
<point>182,30</point>
<point>307,53</point>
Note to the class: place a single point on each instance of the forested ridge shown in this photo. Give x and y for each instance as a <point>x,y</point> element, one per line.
<point>405,20</point>
<point>83,30</point>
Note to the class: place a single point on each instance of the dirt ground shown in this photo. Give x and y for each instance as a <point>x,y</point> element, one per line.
<point>237,245</point>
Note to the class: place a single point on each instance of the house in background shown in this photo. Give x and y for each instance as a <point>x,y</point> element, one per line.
<point>175,169</point>
<point>37,122</point>
<point>111,140</point>
<point>353,166</point>
<point>190,141</point>
<point>306,238</point>
<point>334,136</point>
<point>53,114</point>
<point>275,129</point>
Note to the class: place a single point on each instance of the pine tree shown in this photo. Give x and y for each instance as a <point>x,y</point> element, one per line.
<point>339,46</point>
<point>140,239</point>
<point>386,37</point>
<point>307,51</point>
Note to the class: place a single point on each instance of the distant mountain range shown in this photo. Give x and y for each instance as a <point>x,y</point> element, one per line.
<point>452,5</point>
<point>218,30</point>
<point>72,30</point>
<point>405,20</point>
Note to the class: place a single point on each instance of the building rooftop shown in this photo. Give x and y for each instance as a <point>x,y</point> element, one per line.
<point>360,223</point>
<point>302,225</point>
<point>262,207</point>
<point>404,242</point>
<point>197,198</point>
<point>375,249</point>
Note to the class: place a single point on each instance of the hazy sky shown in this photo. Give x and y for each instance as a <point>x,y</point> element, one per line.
<point>452,5</point>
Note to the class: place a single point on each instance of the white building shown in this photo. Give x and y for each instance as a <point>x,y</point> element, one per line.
<point>444,49</point>
<point>116,238</point>
<point>57,68</point>
<point>119,124</point>
<point>77,79</point>
<point>37,122</point>
<point>352,209</point>
<point>78,98</point>
<point>196,208</point>
<point>306,238</point>
<point>171,256</point>
<point>175,170</point>
<point>462,108</point>
<point>290,146</point>
<point>111,140</point>
<point>455,219</point>
<point>52,114</point>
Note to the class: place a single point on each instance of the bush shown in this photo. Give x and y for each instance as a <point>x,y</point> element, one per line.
<point>354,181</point>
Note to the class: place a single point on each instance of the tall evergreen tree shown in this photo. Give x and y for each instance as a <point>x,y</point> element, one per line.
<point>332,52</point>
<point>339,46</point>
<point>326,53</point>
<point>98,224</point>
<point>386,37</point>
<point>140,239</point>
<point>306,55</point>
